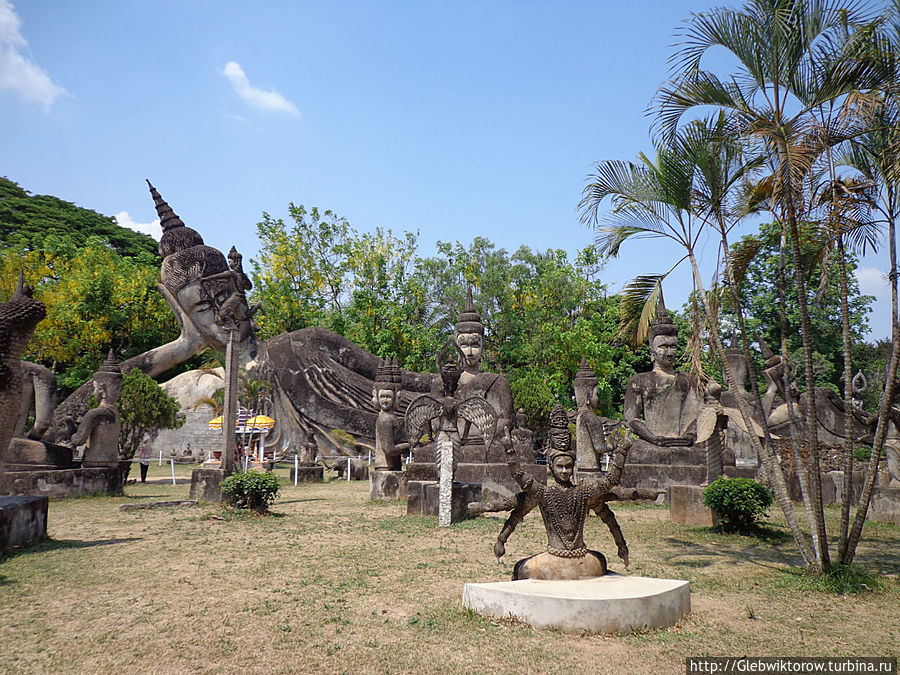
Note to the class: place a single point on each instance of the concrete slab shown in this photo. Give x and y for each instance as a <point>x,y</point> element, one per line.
<point>23,520</point>
<point>607,604</point>
<point>686,506</point>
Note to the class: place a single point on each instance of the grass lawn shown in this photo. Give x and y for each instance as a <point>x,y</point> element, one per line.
<point>331,582</point>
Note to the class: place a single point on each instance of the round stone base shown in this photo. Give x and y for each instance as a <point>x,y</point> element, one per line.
<point>607,604</point>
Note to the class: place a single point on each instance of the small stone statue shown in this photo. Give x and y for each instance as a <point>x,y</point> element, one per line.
<point>564,508</point>
<point>591,431</point>
<point>100,426</point>
<point>309,451</point>
<point>389,425</point>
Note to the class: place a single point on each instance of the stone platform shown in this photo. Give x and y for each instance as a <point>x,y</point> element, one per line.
<point>424,497</point>
<point>23,520</point>
<point>206,485</point>
<point>607,604</point>
<point>308,474</point>
<point>885,505</point>
<point>385,485</point>
<point>686,506</point>
<point>653,468</point>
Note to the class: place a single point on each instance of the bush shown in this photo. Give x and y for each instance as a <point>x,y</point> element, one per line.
<point>738,502</point>
<point>251,490</point>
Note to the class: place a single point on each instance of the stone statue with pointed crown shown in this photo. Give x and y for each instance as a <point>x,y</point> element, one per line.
<point>661,406</point>
<point>564,508</point>
<point>592,432</point>
<point>389,430</point>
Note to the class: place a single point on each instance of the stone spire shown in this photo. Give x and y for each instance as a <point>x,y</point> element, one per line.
<point>662,324</point>
<point>469,319</point>
<point>176,235</point>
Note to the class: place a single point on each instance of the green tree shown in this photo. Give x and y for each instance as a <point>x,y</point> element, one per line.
<point>143,406</point>
<point>27,220</point>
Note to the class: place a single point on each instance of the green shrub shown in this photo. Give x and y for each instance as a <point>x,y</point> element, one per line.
<point>251,490</point>
<point>738,502</point>
<point>862,453</point>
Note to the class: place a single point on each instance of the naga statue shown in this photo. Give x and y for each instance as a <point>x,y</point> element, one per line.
<point>564,508</point>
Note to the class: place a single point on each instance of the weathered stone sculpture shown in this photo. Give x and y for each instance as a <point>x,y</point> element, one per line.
<point>100,426</point>
<point>202,291</point>
<point>18,319</point>
<point>388,480</point>
<point>591,431</point>
<point>564,508</point>
<point>450,412</point>
<point>661,406</point>
<point>737,440</point>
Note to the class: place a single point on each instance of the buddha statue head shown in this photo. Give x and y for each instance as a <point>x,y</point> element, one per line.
<point>199,281</point>
<point>586,385</point>
<point>108,381</point>
<point>560,456</point>
<point>387,385</point>
<point>663,339</point>
<point>470,334</point>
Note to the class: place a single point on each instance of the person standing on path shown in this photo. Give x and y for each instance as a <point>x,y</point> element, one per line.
<point>144,456</point>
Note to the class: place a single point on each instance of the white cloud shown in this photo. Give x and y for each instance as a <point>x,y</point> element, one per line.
<point>258,98</point>
<point>873,281</point>
<point>17,73</point>
<point>152,228</point>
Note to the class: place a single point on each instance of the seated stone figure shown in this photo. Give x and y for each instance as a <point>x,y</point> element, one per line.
<point>100,426</point>
<point>591,431</point>
<point>661,406</point>
<point>206,297</point>
<point>493,387</point>
<point>564,508</point>
<point>737,440</point>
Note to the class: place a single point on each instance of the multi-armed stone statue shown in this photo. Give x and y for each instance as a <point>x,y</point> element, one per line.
<point>388,481</point>
<point>564,508</point>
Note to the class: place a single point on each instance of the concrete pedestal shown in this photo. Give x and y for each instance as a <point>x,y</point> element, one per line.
<point>686,506</point>
<point>423,499</point>
<point>23,520</point>
<point>206,485</point>
<point>387,485</point>
<point>308,474</point>
<point>607,604</point>
<point>885,505</point>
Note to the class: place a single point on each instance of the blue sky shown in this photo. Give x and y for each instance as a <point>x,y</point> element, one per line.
<point>456,119</point>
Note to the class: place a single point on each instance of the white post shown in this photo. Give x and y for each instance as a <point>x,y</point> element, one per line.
<point>160,457</point>
<point>444,444</point>
<point>172,462</point>
<point>295,470</point>
<point>348,469</point>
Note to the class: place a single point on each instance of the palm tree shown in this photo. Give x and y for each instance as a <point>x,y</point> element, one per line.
<point>688,188</point>
<point>792,65</point>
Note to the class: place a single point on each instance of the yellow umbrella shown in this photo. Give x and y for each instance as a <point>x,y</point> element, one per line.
<point>260,422</point>
<point>215,423</point>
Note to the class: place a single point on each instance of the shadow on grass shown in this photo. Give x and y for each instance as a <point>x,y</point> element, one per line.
<point>733,549</point>
<point>59,544</point>
<point>300,501</point>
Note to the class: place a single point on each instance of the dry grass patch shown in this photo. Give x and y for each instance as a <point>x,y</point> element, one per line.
<point>332,582</point>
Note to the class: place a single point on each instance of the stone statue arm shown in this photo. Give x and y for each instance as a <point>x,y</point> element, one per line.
<point>518,504</point>
<point>634,406</point>
<point>90,420</point>
<point>607,484</point>
<point>158,360</point>
<point>608,517</point>
<point>524,479</point>
<point>40,385</point>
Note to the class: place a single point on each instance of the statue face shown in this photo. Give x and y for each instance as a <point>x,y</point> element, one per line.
<point>202,312</point>
<point>386,399</point>
<point>664,350</point>
<point>586,396</point>
<point>471,345</point>
<point>562,468</point>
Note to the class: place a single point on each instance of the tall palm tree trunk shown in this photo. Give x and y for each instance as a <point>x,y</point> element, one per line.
<point>848,400</point>
<point>764,451</point>
<point>822,555</point>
